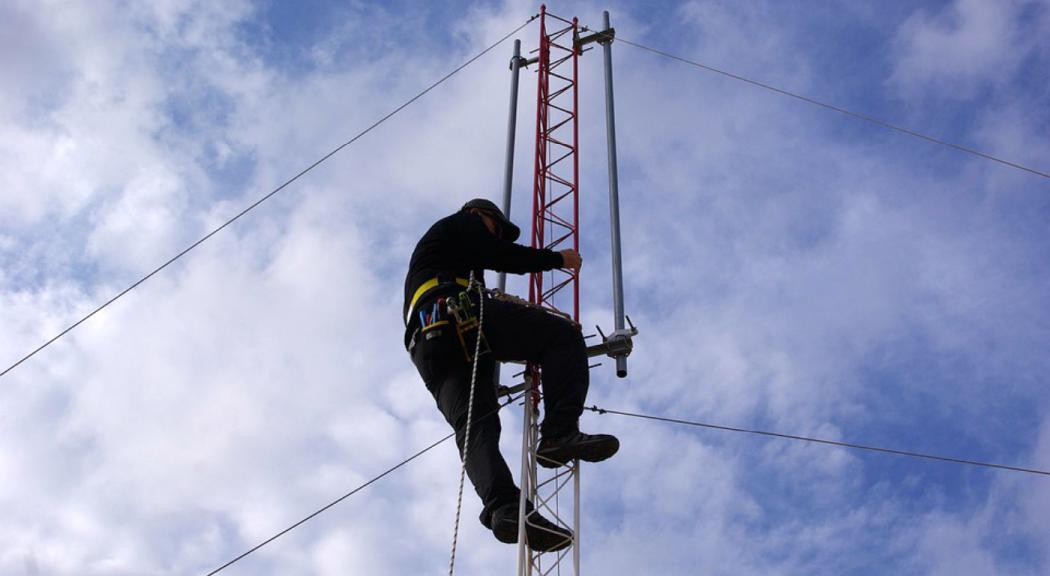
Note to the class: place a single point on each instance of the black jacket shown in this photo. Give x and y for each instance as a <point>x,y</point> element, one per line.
<point>458,244</point>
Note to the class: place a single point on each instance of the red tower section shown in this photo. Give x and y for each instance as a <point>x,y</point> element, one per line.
<point>556,205</point>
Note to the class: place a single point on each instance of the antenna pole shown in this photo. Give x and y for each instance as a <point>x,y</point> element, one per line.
<point>614,194</point>
<point>516,62</point>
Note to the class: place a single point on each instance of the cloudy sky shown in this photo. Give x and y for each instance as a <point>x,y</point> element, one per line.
<point>791,269</point>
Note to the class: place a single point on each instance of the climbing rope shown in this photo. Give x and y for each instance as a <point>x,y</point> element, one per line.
<point>470,415</point>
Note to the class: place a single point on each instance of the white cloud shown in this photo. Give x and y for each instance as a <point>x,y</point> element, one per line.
<point>781,279</point>
<point>964,48</point>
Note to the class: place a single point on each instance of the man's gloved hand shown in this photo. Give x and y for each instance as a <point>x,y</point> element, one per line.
<point>571,259</point>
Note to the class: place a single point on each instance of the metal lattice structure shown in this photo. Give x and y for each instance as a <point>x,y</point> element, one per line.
<point>555,212</point>
<point>555,225</point>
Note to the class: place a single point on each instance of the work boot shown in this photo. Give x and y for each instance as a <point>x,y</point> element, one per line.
<point>541,534</point>
<point>555,452</point>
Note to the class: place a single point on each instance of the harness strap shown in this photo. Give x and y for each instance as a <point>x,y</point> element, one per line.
<point>427,287</point>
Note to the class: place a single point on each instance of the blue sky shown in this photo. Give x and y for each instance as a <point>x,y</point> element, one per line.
<point>791,269</point>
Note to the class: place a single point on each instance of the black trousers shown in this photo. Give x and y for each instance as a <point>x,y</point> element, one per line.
<point>513,332</point>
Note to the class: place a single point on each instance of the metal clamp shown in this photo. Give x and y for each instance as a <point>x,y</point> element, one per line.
<point>619,344</point>
<point>601,37</point>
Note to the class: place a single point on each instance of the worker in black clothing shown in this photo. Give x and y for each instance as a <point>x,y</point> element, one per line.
<point>476,238</point>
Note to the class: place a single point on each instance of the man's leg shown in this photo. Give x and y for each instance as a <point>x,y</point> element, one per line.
<point>447,375</point>
<point>517,332</point>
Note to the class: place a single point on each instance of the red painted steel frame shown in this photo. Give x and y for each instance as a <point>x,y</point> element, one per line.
<point>555,185</point>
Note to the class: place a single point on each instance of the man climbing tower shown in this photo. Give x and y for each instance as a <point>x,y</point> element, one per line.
<point>477,238</point>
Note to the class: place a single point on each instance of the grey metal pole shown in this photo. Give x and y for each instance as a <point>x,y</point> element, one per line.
<point>508,171</point>
<point>577,537</point>
<point>528,470</point>
<point>512,127</point>
<point>614,195</point>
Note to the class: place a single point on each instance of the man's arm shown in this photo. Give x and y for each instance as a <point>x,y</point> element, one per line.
<point>484,250</point>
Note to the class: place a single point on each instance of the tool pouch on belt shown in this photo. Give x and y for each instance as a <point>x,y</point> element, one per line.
<point>461,310</point>
<point>432,322</point>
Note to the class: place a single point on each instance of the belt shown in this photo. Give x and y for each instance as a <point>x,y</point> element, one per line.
<point>427,287</point>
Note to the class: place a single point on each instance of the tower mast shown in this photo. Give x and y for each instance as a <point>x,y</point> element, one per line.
<point>555,225</point>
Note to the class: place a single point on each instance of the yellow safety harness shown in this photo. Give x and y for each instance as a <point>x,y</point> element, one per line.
<point>427,287</point>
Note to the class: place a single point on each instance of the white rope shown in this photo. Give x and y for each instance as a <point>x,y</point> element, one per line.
<point>470,416</point>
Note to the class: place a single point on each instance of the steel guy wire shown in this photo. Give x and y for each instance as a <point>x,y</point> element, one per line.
<point>270,194</point>
<point>820,441</point>
<point>326,507</point>
<point>832,107</point>
<point>641,416</point>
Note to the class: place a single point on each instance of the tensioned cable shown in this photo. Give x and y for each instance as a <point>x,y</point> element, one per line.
<point>270,194</point>
<point>646,417</point>
<point>329,505</point>
<point>832,107</point>
<point>355,490</point>
<point>633,415</point>
<point>820,441</point>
